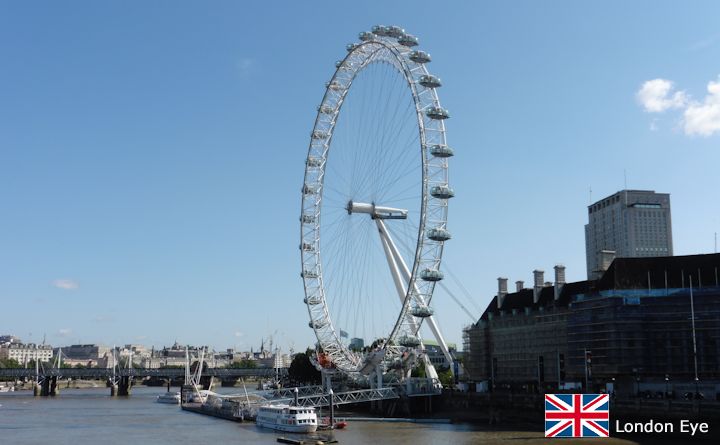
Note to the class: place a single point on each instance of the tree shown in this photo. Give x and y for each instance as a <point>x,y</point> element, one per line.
<point>301,370</point>
<point>9,363</point>
<point>244,363</point>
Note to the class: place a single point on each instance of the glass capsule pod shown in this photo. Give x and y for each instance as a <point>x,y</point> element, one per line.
<point>429,81</point>
<point>394,31</point>
<point>366,36</point>
<point>350,46</point>
<point>408,40</point>
<point>312,301</point>
<point>421,311</point>
<point>319,134</point>
<point>309,274</point>
<point>431,275</point>
<point>334,85</point>
<point>309,189</point>
<point>317,324</point>
<point>307,219</point>
<point>379,30</point>
<point>419,56</point>
<point>442,192</point>
<point>441,151</point>
<point>438,234</point>
<point>326,109</point>
<point>437,113</point>
<point>409,341</point>
<point>307,247</point>
<point>314,162</point>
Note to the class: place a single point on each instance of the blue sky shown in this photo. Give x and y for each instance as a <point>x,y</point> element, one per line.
<point>151,153</point>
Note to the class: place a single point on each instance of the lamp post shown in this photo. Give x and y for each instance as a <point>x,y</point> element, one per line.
<point>667,378</point>
<point>692,316</point>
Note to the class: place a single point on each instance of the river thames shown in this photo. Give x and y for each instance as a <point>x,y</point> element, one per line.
<point>85,416</point>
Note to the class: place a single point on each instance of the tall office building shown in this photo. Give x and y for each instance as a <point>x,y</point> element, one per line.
<point>630,223</point>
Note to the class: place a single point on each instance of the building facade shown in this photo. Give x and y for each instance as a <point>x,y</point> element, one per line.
<point>633,326</point>
<point>628,224</point>
<point>24,353</point>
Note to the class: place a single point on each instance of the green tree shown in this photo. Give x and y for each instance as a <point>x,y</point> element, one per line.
<point>302,370</point>
<point>9,363</point>
<point>244,363</point>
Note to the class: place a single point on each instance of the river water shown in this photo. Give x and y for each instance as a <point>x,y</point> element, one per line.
<point>91,416</point>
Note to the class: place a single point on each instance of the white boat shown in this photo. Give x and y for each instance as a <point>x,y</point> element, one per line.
<point>7,388</point>
<point>169,397</point>
<point>293,419</point>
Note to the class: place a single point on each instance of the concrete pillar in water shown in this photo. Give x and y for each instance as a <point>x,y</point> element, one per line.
<point>54,389</point>
<point>37,389</point>
<point>113,390</point>
<point>45,387</point>
<point>206,381</point>
<point>124,386</point>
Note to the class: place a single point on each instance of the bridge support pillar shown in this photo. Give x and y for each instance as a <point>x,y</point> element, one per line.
<point>54,389</point>
<point>124,386</point>
<point>206,382</point>
<point>113,390</point>
<point>45,387</point>
<point>37,389</point>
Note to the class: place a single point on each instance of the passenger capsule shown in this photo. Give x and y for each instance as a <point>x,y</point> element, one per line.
<point>312,161</point>
<point>312,301</point>
<point>309,274</point>
<point>326,109</point>
<point>442,192</point>
<point>438,113</point>
<point>317,324</point>
<point>334,85</point>
<point>431,275</point>
<point>307,247</point>
<point>438,234</point>
<point>430,81</point>
<point>307,219</point>
<point>409,341</point>
<point>394,31</point>
<point>441,151</point>
<point>350,46</point>
<point>366,36</point>
<point>319,134</point>
<point>408,40</point>
<point>421,311</point>
<point>419,57</point>
<point>309,189</point>
<point>379,30</point>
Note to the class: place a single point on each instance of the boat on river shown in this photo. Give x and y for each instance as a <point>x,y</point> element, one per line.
<point>293,419</point>
<point>172,398</point>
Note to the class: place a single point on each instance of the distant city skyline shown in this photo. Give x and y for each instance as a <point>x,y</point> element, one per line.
<point>151,155</point>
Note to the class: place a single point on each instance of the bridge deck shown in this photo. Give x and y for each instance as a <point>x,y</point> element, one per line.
<point>137,372</point>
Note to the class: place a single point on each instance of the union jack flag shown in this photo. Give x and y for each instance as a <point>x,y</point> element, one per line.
<point>577,415</point>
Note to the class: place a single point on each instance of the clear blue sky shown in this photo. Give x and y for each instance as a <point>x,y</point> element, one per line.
<point>151,153</point>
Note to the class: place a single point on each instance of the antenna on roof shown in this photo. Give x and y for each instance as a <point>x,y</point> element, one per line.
<point>590,195</point>
<point>625,177</point>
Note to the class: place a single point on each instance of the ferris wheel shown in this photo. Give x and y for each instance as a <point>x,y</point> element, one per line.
<point>374,205</point>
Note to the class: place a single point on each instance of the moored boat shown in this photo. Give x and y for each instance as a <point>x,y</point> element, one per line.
<point>293,419</point>
<point>172,398</point>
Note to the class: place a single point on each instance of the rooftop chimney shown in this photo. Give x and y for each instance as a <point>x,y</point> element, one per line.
<point>519,285</point>
<point>539,279</point>
<point>559,280</point>
<point>502,291</point>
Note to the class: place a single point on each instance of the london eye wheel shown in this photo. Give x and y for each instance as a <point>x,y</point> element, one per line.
<point>374,205</point>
